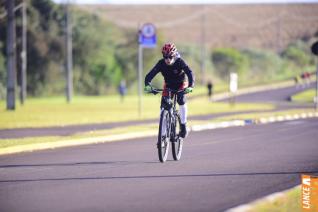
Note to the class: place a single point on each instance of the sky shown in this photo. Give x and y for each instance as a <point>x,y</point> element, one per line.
<point>184,1</point>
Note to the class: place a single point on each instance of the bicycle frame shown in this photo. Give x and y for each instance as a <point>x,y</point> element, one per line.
<point>168,125</point>
<point>172,114</point>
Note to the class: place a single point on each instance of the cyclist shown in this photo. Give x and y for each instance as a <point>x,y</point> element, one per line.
<point>173,69</point>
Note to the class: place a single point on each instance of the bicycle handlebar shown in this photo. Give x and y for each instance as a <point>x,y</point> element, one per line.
<point>158,90</point>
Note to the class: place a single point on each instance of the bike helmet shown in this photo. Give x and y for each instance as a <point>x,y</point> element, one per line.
<point>169,49</point>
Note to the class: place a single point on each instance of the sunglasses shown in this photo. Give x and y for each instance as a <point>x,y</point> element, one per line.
<point>168,57</point>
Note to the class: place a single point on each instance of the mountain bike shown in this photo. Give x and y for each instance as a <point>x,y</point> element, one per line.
<point>169,126</point>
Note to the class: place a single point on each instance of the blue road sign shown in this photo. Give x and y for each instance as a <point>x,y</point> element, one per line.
<point>147,36</point>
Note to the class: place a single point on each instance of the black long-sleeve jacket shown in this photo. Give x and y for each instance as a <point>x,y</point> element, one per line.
<point>174,75</point>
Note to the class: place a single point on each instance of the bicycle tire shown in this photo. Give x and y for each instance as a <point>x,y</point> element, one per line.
<point>163,136</point>
<point>177,143</point>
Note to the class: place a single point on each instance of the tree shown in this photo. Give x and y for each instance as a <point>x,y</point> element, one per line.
<point>263,64</point>
<point>297,55</point>
<point>227,60</point>
<point>96,66</point>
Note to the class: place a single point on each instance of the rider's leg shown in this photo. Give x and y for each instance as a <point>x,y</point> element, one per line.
<point>183,115</point>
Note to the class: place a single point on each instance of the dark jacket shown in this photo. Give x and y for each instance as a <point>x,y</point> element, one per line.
<point>174,75</point>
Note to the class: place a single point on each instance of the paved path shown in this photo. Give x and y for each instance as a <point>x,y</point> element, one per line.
<point>280,97</point>
<point>219,169</point>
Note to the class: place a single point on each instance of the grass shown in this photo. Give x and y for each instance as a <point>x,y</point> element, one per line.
<point>202,90</point>
<point>306,96</point>
<point>290,201</point>
<point>54,111</point>
<point>4,143</point>
<point>139,128</point>
<point>30,140</point>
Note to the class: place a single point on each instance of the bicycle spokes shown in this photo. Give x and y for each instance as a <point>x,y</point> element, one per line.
<point>169,129</point>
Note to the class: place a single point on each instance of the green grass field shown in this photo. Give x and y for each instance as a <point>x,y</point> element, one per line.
<point>4,143</point>
<point>54,111</point>
<point>139,128</point>
<point>290,201</point>
<point>306,96</point>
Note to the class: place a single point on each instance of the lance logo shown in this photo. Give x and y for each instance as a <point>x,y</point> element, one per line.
<point>309,193</point>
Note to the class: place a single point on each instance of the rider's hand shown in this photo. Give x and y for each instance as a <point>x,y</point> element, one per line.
<point>147,89</point>
<point>188,90</point>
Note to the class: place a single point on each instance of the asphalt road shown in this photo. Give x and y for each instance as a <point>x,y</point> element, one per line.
<point>219,169</point>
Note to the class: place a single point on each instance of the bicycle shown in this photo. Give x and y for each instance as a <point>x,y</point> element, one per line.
<point>169,125</point>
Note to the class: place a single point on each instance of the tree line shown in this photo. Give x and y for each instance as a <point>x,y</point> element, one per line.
<point>103,54</point>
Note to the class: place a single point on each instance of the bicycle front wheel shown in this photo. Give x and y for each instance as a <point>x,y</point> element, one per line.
<point>177,142</point>
<point>163,136</point>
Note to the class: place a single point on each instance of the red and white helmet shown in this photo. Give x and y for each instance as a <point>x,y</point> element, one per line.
<point>169,49</point>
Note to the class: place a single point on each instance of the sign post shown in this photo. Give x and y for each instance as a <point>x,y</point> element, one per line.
<point>233,86</point>
<point>314,49</point>
<point>147,39</point>
<point>11,59</point>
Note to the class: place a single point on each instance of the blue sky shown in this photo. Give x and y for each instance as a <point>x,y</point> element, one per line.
<point>184,1</point>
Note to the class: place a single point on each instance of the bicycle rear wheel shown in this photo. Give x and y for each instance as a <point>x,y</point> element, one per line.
<point>177,143</point>
<point>164,136</point>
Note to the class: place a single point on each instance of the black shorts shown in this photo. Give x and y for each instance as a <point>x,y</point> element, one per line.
<point>181,97</point>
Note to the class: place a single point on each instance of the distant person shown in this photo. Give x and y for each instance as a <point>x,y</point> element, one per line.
<point>122,90</point>
<point>297,81</point>
<point>305,76</point>
<point>210,89</point>
<point>173,69</point>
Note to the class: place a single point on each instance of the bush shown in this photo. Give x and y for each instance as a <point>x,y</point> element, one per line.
<point>193,57</point>
<point>96,69</point>
<point>298,53</point>
<point>263,65</point>
<point>227,60</point>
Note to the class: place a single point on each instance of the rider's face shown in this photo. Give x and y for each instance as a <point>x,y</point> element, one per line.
<point>169,60</point>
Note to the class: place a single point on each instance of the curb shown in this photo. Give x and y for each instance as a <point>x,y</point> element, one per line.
<point>245,122</point>
<point>268,198</point>
<point>133,135</point>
